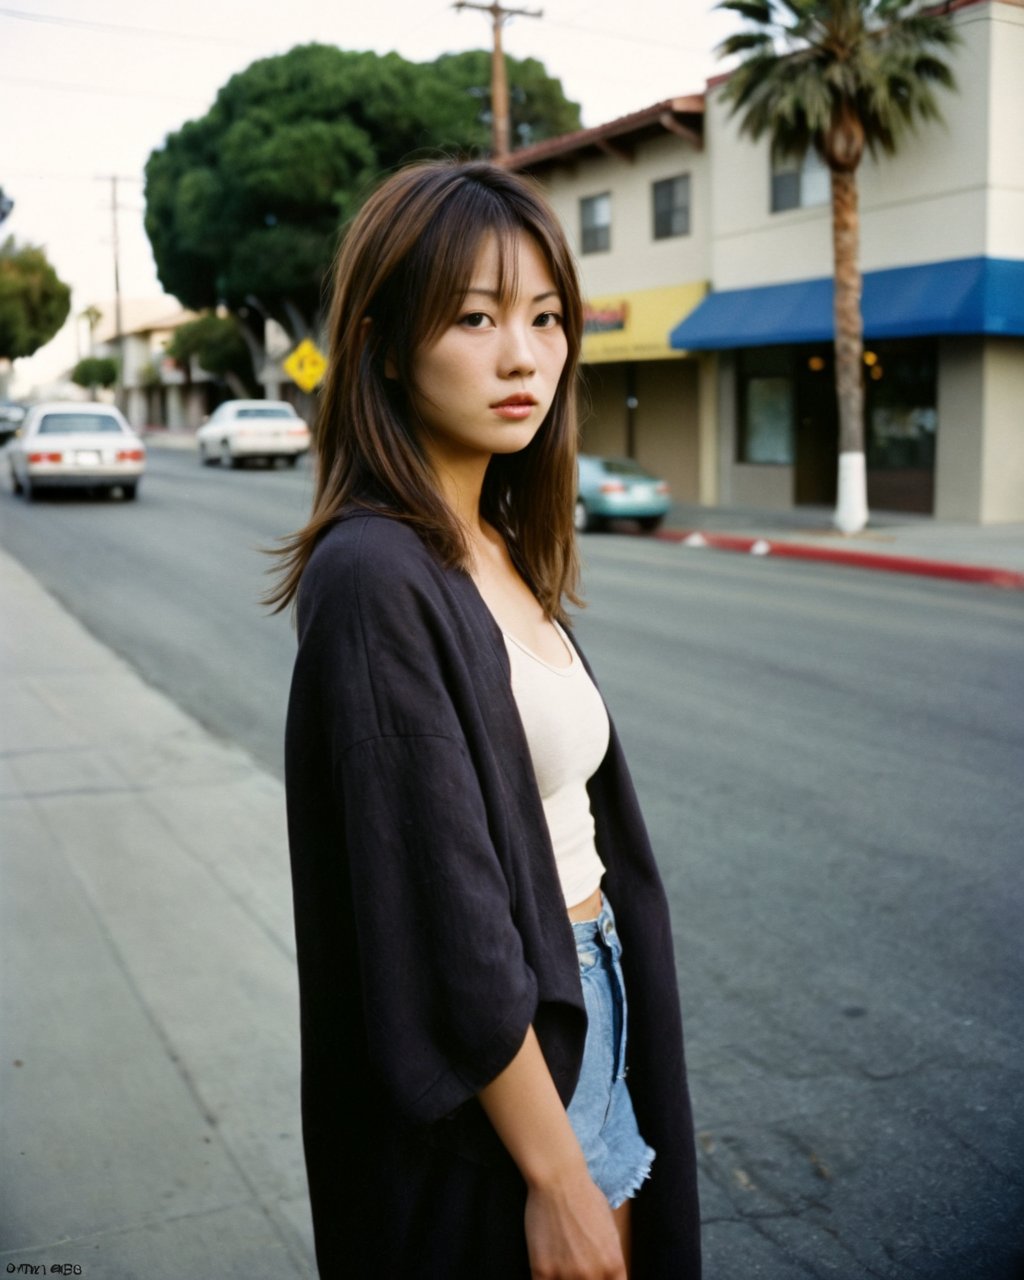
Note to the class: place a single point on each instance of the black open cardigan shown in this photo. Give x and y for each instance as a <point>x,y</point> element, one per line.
<point>431,929</point>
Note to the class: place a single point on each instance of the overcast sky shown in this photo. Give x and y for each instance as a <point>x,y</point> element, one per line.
<point>87,91</point>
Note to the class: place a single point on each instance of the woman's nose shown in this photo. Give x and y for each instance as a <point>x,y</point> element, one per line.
<point>517,358</point>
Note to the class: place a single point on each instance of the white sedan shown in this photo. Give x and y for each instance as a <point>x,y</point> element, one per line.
<point>83,446</point>
<point>240,429</point>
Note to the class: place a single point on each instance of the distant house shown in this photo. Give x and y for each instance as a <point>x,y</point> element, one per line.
<point>157,391</point>
<point>736,406</point>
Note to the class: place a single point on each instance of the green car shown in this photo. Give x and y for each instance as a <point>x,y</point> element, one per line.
<point>618,489</point>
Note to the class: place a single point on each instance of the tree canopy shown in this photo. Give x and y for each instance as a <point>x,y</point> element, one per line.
<point>34,301</point>
<point>245,203</point>
<point>837,75</point>
<point>95,371</point>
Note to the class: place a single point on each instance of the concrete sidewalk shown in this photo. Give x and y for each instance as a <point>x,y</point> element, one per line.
<point>150,1104</point>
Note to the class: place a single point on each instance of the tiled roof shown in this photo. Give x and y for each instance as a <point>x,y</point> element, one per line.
<point>683,115</point>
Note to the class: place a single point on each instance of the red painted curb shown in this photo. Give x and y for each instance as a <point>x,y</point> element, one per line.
<point>993,577</point>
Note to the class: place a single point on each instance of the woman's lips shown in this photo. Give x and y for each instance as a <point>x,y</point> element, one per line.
<point>515,408</point>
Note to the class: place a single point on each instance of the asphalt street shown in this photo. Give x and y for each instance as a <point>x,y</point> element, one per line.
<point>830,762</point>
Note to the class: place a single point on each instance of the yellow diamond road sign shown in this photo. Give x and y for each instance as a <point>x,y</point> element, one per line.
<point>305,365</point>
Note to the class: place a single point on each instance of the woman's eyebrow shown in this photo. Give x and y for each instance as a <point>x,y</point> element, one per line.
<point>493,293</point>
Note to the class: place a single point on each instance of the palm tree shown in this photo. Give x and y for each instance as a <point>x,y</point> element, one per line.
<point>839,76</point>
<point>92,316</point>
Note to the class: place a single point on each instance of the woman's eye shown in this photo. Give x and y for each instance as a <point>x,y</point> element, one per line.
<point>548,320</point>
<point>475,319</point>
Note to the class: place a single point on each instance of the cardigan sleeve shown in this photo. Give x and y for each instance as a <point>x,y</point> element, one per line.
<point>446,991</point>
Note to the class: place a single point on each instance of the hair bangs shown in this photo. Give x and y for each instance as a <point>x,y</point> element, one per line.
<point>446,258</point>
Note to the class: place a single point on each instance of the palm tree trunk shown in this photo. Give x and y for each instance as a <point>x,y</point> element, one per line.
<point>851,513</point>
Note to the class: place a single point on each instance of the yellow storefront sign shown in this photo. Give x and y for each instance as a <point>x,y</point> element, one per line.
<point>635,325</point>
<point>305,365</point>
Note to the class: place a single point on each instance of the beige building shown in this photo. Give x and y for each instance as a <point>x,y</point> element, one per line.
<point>740,409</point>
<point>634,196</point>
<point>156,391</point>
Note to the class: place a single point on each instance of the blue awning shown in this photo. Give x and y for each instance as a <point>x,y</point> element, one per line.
<point>965,296</point>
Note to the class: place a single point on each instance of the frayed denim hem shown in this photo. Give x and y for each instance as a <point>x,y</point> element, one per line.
<point>633,1184</point>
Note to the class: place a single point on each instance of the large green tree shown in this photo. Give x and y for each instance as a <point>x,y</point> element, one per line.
<point>243,206</point>
<point>34,301</point>
<point>840,76</point>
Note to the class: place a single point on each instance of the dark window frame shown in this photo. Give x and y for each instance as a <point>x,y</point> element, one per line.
<point>664,220</point>
<point>595,237</point>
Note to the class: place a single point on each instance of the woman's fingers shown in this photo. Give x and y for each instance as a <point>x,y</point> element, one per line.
<point>571,1235</point>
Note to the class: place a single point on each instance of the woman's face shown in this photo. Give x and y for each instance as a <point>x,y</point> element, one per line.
<point>486,383</point>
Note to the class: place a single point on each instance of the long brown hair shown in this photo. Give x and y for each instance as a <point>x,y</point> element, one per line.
<point>402,271</point>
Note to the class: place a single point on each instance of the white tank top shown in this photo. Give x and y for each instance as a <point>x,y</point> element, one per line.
<point>566,728</point>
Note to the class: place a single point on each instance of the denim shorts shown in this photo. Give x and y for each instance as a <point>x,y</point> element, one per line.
<point>601,1112</point>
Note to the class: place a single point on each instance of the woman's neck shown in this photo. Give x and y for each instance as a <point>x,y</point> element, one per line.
<point>461,485</point>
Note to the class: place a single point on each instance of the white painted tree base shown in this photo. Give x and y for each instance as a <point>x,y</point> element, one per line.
<point>852,501</point>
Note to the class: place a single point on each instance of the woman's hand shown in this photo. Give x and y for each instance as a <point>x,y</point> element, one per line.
<point>570,1233</point>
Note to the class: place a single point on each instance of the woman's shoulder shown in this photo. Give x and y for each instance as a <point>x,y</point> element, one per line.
<point>379,615</point>
<point>378,564</point>
<point>371,546</point>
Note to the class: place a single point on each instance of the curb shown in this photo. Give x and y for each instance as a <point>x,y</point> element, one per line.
<point>1007,579</point>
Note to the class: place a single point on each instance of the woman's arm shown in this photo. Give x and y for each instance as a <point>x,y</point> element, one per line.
<point>570,1233</point>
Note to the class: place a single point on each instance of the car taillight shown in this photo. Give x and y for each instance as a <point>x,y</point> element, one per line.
<point>130,455</point>
<point>46,457</point>
<point>661,488</point>
<point>613,486</point>
<point>298,431</point>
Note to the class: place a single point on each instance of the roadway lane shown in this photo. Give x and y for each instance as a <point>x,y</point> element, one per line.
<point>830,761</point>
<point>172,582</point>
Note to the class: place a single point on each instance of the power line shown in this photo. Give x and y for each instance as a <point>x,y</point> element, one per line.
<point>25,176</point>
<point>67,86</point>
<point>115,28</point>
<point>164,33</point>
<point>626,37</point>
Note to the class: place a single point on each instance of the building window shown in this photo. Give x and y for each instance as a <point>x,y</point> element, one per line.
<point>800,184</point>
<point>766,408</point>
<point>671,199</point>
<point>900,383</point>
<point>596,223</point>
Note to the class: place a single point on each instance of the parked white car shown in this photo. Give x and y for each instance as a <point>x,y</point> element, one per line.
<point>240,429</point>
<point>72,445</point>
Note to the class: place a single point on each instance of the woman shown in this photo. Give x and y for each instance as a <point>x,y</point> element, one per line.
<point>460,815</point>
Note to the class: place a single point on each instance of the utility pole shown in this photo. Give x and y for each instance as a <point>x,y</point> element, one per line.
<point>499,80</point>
<point>118,317</point>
